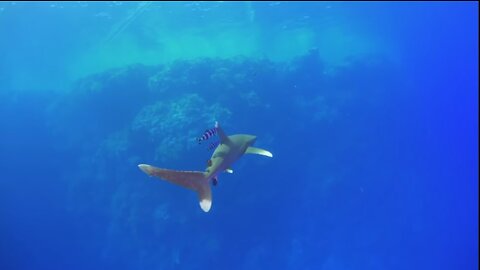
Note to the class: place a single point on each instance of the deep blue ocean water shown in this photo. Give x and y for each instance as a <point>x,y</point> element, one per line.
<point>370,111</point>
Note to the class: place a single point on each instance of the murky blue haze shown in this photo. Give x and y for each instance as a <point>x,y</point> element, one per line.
<point>370,111</point>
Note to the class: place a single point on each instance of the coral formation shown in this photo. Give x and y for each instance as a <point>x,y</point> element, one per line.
<point>139,113</point>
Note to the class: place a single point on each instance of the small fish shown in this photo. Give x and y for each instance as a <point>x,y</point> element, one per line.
<point>213,145</point>
<point>207,135</point>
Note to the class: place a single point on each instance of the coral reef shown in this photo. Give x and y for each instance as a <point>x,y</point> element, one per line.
<point>152,114</point>
<point>168,124</point>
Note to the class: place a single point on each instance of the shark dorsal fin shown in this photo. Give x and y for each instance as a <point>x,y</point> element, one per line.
<point>221,134</point>
<point>258,151</point>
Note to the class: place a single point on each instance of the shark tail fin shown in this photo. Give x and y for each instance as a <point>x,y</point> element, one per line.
<point>258,151</point>
<point>193,180</point>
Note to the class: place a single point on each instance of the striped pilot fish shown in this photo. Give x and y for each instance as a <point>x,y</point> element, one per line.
<point>213,145</point>
<point>208,134</point>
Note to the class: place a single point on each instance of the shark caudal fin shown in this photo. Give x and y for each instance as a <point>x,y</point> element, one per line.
<point>188,179</point>
<point>258,151</point>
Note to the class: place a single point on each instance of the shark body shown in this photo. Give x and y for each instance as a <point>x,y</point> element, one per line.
<point>230,149</point>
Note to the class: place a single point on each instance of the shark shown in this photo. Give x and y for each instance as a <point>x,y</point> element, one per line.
<point>230,149</point>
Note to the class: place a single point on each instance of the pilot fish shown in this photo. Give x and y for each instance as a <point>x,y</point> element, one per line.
<point>207,135</point>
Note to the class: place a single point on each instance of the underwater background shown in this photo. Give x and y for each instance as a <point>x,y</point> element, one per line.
<point>370,111</point>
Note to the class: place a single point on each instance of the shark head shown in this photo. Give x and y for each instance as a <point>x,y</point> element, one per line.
<point>242,140</point>
<point>250,139</point>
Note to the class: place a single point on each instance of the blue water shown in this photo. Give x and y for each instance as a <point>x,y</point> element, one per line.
<point>370,111</point>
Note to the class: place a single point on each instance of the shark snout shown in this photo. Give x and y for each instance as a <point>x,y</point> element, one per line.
<point>251,139</point>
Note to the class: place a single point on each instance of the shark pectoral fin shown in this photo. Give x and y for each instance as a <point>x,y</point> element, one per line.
<point>188,179</point>
<point>258,151</point>
<point>229,170</point>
